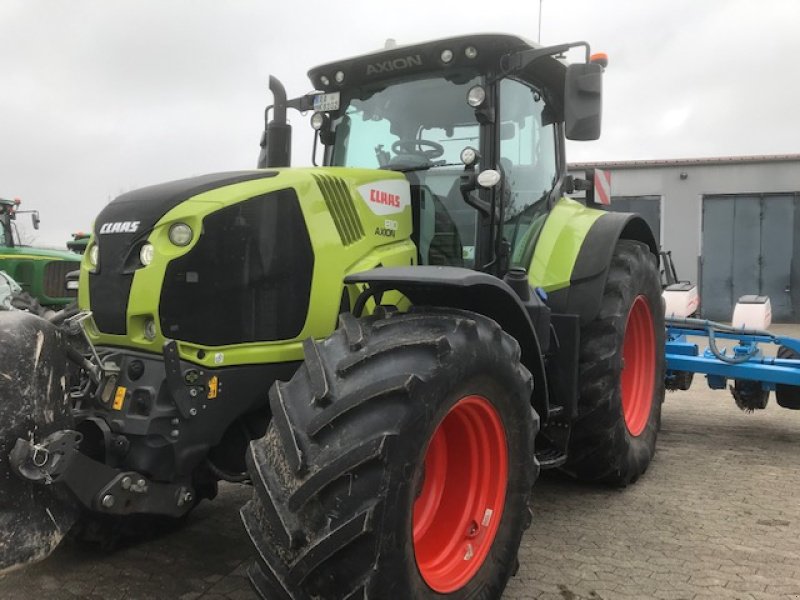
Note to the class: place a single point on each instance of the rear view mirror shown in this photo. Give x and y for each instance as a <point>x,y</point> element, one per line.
<point>583,101</point>
<point>35,218</point>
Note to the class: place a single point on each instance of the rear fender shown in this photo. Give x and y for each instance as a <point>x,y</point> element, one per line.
<point>584,291</point>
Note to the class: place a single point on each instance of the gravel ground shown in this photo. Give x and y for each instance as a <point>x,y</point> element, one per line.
<point>717,515</point>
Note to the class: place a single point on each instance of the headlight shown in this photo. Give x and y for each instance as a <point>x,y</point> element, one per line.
<point>94,254</point>
<point>180,234</point>
<point>146,254</point>
<point>317,121</point>
<point>476,96</point>
<point>469,155</point>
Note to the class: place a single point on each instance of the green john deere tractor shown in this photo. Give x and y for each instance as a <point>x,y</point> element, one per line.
<point>41,273</point>
<point>388,347</point>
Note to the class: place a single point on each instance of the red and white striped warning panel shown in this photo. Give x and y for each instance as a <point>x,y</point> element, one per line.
<point>602,187</point>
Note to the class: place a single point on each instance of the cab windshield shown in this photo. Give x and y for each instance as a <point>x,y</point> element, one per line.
<point>419,127</point>
<point>407,125</point>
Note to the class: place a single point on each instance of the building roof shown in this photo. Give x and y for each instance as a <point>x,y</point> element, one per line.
<point>685,162</point>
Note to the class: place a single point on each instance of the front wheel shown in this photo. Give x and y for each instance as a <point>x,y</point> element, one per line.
<point>621,374</point>
<point>398,464</point>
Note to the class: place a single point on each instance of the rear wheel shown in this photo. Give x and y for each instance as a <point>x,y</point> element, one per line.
<point>621,374</point>
<point>398,464</point>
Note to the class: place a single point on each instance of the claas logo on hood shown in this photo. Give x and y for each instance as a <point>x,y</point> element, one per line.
<point>120,227</point>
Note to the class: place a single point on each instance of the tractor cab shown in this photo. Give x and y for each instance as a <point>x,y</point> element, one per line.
<point>9,209</point>
<point>8,233</point>
<point>475,123</point>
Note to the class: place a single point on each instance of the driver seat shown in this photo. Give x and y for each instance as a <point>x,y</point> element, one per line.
<point>435,232</point>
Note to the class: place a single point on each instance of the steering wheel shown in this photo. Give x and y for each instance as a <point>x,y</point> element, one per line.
<point>407,147</point>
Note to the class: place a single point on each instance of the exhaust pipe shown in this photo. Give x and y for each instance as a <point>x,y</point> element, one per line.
<point>276,141</point>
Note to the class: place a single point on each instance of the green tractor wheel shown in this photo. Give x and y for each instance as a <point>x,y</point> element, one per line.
<point>621,374</point>
<point>398,464</point>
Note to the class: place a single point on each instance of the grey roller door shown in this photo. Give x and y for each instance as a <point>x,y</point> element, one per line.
<point>750,246</point>
<point>649,207</point>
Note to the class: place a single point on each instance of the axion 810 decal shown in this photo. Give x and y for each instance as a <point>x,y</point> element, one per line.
<point>386,197</point>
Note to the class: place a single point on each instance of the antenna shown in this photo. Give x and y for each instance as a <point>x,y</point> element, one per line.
<point>539,39</point>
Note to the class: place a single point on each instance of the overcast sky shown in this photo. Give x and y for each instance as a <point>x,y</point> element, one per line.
<point>102,96</point>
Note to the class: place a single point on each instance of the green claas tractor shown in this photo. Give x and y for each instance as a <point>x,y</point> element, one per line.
<point>41,273</point>
<point>388,346</point>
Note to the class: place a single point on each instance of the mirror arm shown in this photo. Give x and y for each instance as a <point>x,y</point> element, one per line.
<point>511,63</point>
<point>469,183</point>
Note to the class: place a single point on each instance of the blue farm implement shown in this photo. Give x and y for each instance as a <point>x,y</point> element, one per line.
<point>752,373</point>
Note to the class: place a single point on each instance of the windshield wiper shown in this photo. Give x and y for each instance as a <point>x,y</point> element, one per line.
<point>424,167</point>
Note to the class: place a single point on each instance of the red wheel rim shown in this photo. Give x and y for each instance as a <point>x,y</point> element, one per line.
<point>638,372</point>
<point>458,511</point>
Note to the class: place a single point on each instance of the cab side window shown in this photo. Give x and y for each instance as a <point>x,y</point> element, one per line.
<point>527,159</point>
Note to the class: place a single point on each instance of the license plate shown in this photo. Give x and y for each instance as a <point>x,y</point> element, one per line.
<point>326,102</point>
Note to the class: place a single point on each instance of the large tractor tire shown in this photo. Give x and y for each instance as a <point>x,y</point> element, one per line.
<point>621,374</point>
<point>398,463</point>
<point>788,396</point>
<point>33,404</point>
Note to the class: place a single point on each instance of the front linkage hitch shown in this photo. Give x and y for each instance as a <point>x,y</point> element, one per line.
<point>57,460</point>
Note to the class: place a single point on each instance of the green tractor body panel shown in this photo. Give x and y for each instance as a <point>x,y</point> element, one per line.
<point>559,244</point>
<point>39,271</point>
<point>360,219</point>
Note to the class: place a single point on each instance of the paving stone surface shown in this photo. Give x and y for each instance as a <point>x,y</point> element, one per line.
<point>716,516</point>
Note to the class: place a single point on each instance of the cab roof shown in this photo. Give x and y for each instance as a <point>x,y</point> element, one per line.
<point>417,60</point>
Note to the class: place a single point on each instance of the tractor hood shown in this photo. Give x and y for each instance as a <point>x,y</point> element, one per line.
<point>248,269</point>
<point>124,225</point>
<point>133,215</point>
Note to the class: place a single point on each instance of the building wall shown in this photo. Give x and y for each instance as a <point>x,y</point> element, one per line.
<point>681,198</point>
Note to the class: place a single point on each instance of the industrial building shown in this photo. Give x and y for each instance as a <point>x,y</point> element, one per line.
<point>732,223</point>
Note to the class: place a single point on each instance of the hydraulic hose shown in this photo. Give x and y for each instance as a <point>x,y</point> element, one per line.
<point>711,327</point>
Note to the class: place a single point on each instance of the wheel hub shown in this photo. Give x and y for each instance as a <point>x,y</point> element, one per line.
<point>459,508</point>
<point>639,364</point>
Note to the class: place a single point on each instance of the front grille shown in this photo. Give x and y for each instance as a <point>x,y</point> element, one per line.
<point>55,278</point>
<point>247,279</point>
<point>340,205</point>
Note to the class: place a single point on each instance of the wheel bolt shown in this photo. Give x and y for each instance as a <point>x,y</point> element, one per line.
<point>108,501</point>
<point>126,483</point>
<point>472,529</point>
